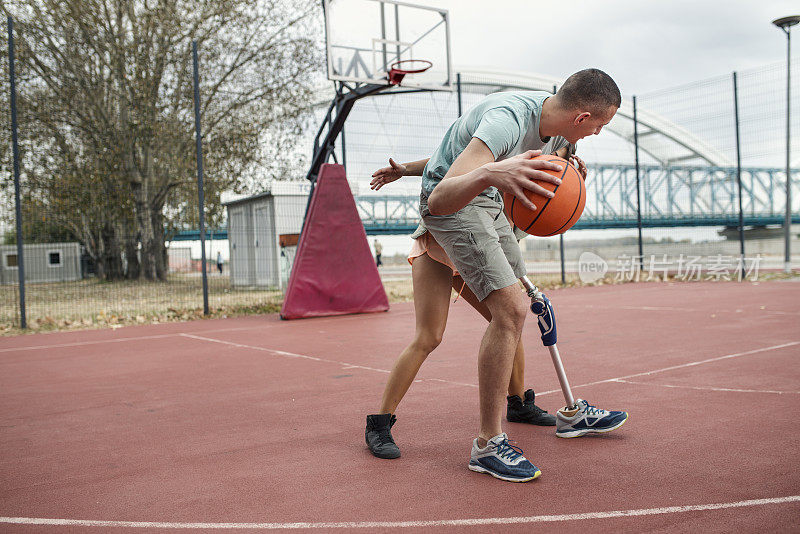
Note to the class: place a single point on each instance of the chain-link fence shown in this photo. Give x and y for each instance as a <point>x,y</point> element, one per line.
<point>111,225</point>
<point>680,152</point>
<point>110,220</point>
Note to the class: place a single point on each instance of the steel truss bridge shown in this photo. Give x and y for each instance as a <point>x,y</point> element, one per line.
<point>671,196</point>
<point>673,191</point>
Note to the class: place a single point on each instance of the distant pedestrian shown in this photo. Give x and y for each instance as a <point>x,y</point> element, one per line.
<point>378,251</point>
<point>219,262</point>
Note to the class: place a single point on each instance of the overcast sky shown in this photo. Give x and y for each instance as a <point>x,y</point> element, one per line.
<point>645,45</point>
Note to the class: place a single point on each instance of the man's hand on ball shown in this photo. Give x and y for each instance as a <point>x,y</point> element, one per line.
<point>515,175</point>
<point>387,175</point>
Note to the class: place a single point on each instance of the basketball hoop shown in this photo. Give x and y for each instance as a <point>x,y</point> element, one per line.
<point>407,66</point>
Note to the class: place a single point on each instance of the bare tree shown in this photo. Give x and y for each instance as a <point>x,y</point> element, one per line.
<point>106,93</point>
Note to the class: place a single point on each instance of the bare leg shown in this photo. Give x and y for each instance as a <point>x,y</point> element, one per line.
<point>516,386</point>
<point>432,281</point>
<point>496,357</point>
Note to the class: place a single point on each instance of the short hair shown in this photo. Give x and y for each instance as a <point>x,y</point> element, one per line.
<point>590,89</point>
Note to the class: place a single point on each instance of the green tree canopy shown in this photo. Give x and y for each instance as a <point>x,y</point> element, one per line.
<point>106,112</point>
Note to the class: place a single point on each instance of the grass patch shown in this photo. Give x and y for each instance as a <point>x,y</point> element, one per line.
<point>92,304</point>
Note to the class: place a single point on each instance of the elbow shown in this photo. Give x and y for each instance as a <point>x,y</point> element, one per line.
<point>434,210</point>
<point>435,204</point>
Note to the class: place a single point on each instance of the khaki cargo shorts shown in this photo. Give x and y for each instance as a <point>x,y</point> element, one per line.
<point>479,240</point>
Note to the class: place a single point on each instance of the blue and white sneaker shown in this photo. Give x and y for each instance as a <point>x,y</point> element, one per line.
<point>588,419</point>
<point>502,460</point>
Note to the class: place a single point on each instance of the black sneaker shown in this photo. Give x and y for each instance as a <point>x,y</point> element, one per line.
<point>527,412</point>
<point>379,436</point>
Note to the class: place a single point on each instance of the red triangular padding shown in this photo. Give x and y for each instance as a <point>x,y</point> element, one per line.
<point>333,272</point>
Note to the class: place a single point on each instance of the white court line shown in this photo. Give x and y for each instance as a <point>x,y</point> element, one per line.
<point>681,366</point>
<point>451,382</point>
<point>272,351</point>
<point>116,340</point>
<point>655,308</point>
<point>680,309</point>
<point>160,336</point>
<point>353,366</point>
<point>402,524</point>
<point>344,365</point>
<point>709,388</point>
<point>648,308</point>
<point>82,343</point>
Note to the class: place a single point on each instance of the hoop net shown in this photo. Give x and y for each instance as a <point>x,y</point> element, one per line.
<point>407,66</point>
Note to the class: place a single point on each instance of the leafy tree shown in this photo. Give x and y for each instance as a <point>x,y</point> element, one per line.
<point>106,111</point>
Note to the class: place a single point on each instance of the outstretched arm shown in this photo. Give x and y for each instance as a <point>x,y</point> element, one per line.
<point>475,169</point>
<point>396,171</point>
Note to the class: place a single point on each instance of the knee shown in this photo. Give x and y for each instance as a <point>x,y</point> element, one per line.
<point>512,315</point>
<point>428,341</point>
<point>520,311</point>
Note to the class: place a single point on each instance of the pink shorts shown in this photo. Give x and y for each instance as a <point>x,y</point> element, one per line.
<point>427,243</point>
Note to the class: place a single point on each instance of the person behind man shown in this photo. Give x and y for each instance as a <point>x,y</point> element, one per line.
<point>433,275</point>
<point>489,149</point>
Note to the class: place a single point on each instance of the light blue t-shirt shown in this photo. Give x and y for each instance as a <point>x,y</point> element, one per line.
<point>508,122</point>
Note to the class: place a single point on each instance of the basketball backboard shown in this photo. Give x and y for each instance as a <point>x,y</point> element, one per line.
<point>364,38</point>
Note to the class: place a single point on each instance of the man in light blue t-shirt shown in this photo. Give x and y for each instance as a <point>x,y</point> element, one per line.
<point>489,149</point>
<point>507,123</point>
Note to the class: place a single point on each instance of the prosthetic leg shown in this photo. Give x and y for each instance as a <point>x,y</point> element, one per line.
<point>577,418</point>
<point>546,318</point>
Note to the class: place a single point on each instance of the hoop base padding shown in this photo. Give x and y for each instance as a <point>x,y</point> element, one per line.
<point>333,272</point>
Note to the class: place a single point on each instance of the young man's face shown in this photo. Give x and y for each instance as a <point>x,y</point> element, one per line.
<point>586,124</point>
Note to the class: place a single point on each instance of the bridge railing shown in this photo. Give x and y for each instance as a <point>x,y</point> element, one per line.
<point>676,196</point>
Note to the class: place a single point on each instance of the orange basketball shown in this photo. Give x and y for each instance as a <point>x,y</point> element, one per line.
<point>555,215</point>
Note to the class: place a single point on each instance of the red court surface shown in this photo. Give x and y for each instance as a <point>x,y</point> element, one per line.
<point>258,424</point>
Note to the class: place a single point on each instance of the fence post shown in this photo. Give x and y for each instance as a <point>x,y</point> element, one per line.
<point>787,223</point>
<point>739,176</point>
<point>561,237</point>
<point>200,197</point>
<point>458,88</point>
<point>23,320</point>
<point>638,188</point>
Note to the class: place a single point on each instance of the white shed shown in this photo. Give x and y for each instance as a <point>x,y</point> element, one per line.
<point>255,225</point>
<point>44,262</point>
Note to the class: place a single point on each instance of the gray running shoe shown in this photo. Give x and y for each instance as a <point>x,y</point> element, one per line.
<point>588,419</point>
<point>502,460</point>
